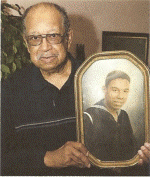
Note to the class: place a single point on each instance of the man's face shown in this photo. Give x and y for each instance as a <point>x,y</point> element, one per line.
<point>116,93</point>
<point>47,56</point>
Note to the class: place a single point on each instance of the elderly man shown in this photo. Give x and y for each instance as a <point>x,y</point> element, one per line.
<point>38,116</point>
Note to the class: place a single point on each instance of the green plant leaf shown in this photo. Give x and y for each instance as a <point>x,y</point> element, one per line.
<point>5,69</point>
<point>14,67</point>
<point>14,49</point>
<point>25,44</point>
<point>18,63</point>
<point>3,57</point>
<point>4,53</point>
<point>9,59</point>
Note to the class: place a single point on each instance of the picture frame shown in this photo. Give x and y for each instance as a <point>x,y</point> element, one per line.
<point>89,79</point>
<point>137,43</point>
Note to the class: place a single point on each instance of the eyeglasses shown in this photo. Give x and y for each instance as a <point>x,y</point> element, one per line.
<point>54,38</point>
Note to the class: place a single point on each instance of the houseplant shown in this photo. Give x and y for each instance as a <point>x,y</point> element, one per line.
<point>14,52</point>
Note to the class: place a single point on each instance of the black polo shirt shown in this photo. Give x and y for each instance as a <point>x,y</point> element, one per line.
<point>36,117</point>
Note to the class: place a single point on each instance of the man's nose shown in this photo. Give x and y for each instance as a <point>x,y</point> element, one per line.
<point>45,46</point>
<point>121,94</point>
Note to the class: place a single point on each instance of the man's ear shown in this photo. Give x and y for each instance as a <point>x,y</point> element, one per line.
<point>70,37</point>
<point>26,42</point>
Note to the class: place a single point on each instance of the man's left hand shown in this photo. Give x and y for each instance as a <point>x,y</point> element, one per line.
<point>144,154</point>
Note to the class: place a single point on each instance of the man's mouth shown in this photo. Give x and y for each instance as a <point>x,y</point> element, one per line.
<point>46,56</point>
<point>47,59</point>
<point>118,103</point>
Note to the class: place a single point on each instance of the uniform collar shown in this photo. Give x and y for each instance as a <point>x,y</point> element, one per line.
<point>101,105</point>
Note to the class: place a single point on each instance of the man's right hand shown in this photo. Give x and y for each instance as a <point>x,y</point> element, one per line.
<point>70,154</point>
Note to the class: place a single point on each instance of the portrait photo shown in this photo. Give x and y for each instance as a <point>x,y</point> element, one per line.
<point>114,107</point>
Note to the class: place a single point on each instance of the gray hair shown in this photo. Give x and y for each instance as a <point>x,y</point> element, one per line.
<point>115,75</point>
<point>60,9</point>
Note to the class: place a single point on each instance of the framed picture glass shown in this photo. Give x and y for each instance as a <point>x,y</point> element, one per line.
<point>137,43</point>
<point>112,101</point>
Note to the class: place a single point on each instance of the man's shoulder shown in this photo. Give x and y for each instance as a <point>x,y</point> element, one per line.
<point>20,76</point>
<point>75,62</point>
<point>124,115</point>
<point>123,112</point>
<point>98,106</point>
<point>95,111</point>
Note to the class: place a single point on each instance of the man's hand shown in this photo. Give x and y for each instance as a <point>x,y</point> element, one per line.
<point>144,153</point>
<point>70,154</point>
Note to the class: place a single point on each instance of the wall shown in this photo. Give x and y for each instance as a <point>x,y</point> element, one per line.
<point>90,17</point>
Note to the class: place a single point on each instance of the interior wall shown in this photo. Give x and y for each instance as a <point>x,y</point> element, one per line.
<point>90,17</point>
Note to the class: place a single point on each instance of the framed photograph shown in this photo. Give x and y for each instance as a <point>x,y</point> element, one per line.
<point>112,101</point>
<point>137,43</point>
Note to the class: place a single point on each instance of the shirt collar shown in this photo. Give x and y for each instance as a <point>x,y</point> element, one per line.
<point>40,83</point>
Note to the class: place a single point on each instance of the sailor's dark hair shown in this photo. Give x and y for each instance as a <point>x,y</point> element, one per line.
<point>115,75</point>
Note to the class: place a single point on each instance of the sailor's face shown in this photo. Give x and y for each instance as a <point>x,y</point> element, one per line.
<point>116,93</point>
